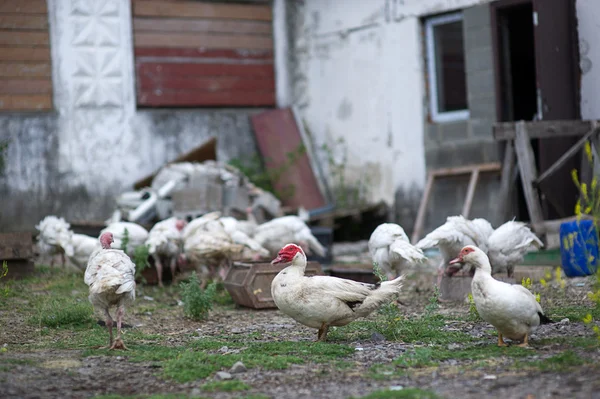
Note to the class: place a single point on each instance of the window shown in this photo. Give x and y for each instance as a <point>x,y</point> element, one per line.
<point>203,54</point>
<point>446,68</point>
<point>25,64</point>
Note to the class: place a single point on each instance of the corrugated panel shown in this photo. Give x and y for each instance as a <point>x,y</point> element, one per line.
<point>25,64</point>
<point>279,140</point>
<point>195,53</point>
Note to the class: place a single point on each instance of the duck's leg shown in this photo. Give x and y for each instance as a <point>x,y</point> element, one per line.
<point>159,269</point>
<point>118,344</point>
<point>322,335</point>
<point>500,340</point>
<point>525,342</point>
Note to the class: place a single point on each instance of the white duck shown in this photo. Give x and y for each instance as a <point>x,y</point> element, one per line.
<point>165,241</point>
<point>137,235</point>
<point>54,238</point>
<point>391,249</point>
<point>198,224</point>
<point>110,275</point>
<point>452,236</point>
<point>508,244</point>
<point>277,232</point>
<point>511,308</point>
<point>212,248</point>
<point>83,246</point>
<point>236,230</point>
<point>323,301</point>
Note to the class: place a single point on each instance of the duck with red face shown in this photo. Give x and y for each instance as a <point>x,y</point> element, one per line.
<point>323,301</point>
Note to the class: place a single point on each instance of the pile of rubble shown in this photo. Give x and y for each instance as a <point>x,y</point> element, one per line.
<point>190,189</point>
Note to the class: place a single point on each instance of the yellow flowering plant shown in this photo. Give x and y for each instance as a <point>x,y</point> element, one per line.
<point>588,205</point>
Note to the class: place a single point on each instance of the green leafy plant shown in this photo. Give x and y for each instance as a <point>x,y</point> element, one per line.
<point>5,291</point>
<point>125,241</point>
<point>3,149</point>
<point>196,301</point>
<point>473,313</point>
<point>140,258</point>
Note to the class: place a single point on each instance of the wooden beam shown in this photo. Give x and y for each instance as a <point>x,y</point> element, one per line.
<point>565,157</point>
<point>543,129</point>
<point>462,170</point>
<point>526,162</point>
<point>420,221</point>
<point>470,193</point>
<point>505,181</point>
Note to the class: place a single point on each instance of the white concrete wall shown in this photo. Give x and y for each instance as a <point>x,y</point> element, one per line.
<point>588,17</point>
<point>363,72</point>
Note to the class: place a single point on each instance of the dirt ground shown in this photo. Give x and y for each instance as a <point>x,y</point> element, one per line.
<point>43,362</point>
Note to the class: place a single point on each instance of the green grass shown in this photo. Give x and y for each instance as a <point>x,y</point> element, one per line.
<point>197,362</point>
<point>407,393</point>
<point>63,313</point>
<point>564,361</point>
<point>225,386</point>
<point>573,313</point>
<point>196,301</point>
<point>424,330</point>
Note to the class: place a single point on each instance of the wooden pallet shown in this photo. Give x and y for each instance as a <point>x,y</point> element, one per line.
<point>520,152</point>
<point>473,170</point>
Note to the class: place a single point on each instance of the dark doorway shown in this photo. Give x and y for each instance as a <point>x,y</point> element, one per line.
<point>516,74</point>
<point>517,62</point>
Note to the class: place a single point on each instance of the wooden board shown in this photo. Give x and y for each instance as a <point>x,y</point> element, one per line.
<point>200,26</point>
<point>220,41</point>
<point>29,86</point>
<point>198,9</point>
<point>28,22</point>
<point>26,102</point>
<point>157,54</point>
<point>278,136</point>
<point>543,129</point>
<point>526,162</point>
<point>217,83</point>
<point>25,54</point>
<point>25,61</point>
<point>184,49</point>
<point>207,98</point>
<point>25,70</point>
<point>18,38</point>
<point>16,246</point>
<point>23,6</point>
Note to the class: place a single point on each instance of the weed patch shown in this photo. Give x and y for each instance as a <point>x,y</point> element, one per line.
<point>408,393</point>
<point>196,301</point>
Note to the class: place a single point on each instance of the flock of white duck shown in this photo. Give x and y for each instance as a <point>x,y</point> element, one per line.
<point>211,242</point>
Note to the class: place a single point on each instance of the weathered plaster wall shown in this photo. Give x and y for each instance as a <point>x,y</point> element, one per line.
<point>358,77</point>
<point>72,162</point>
<point>588,15</point>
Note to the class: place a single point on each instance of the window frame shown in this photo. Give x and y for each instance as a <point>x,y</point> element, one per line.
<point>436,115</point>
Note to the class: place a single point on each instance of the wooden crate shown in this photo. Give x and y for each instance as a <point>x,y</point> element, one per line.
<point>17,250</point>
<point>249,283</point>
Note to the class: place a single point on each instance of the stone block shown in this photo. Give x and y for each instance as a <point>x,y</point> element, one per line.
<point>454,130</point>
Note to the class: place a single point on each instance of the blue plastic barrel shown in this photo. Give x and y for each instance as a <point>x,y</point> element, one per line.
<point>579,248</point>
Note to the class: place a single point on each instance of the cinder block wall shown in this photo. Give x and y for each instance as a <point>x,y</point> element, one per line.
<point>469,141</point>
